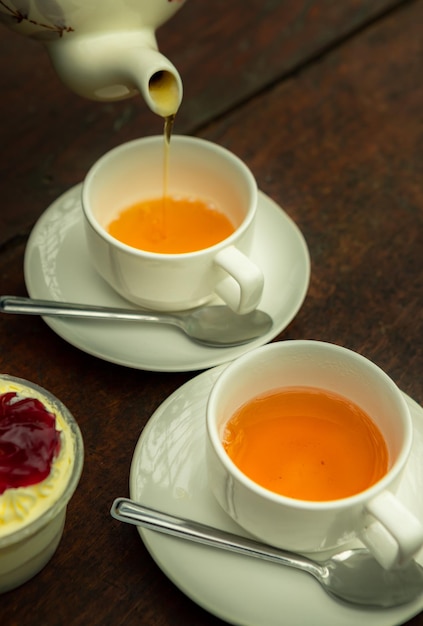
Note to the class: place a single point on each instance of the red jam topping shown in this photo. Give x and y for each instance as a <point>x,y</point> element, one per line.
<point>29,441</point>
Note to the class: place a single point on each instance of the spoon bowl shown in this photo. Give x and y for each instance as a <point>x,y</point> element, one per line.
<point>213,326</point>
<point>353,576</point>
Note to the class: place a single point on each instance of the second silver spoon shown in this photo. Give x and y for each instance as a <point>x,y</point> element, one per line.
<point>213,326</point>
<point>353,575</point>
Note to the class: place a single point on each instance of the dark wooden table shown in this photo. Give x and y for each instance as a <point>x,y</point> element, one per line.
<point>324,101</point>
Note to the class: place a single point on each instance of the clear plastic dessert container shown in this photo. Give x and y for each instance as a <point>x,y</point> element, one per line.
<point>32,518</point>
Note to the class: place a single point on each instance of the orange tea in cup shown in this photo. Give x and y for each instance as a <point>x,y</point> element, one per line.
<point>171,225</point>
<point>306,443</point>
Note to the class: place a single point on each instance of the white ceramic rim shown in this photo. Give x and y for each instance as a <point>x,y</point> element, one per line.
<point>178,140</point>
<point>61,503</point>
<point>327,505</point>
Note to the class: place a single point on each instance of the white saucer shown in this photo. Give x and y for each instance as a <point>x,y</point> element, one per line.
<point>57,267</point>
<point>168,473</point>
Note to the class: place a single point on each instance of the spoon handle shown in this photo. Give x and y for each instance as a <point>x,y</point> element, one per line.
<point>126,510</point>
<point>31,306</point>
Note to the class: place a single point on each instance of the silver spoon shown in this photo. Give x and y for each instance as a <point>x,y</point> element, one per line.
<point>213,326</point>
<point>353,575</point>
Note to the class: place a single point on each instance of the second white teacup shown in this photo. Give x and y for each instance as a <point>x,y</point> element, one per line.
<point>372,514</point>
<point>135,171</point>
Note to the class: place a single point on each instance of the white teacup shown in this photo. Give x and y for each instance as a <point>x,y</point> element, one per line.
<point>375,515</point>
<point>135,171</point>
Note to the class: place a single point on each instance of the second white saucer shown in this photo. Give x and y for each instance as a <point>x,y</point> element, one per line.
<point>168,473</point>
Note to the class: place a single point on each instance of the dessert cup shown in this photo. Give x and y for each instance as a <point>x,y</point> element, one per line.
<point>32,518</point>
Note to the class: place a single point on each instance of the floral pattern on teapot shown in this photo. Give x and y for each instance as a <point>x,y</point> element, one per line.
<point>48,20</point>
<point>49,25</point>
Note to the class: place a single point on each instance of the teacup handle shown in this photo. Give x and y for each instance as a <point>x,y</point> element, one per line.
<point>243,288</point>
<point>396,535</point>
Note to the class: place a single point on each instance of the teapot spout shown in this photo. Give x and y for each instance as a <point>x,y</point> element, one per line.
<point>117,66</point>
<point>159,83</point>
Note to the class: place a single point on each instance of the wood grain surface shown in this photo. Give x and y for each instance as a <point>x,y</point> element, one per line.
<point>323,100</point>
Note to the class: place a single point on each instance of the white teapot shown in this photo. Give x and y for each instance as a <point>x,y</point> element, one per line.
<point>103,49</point>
